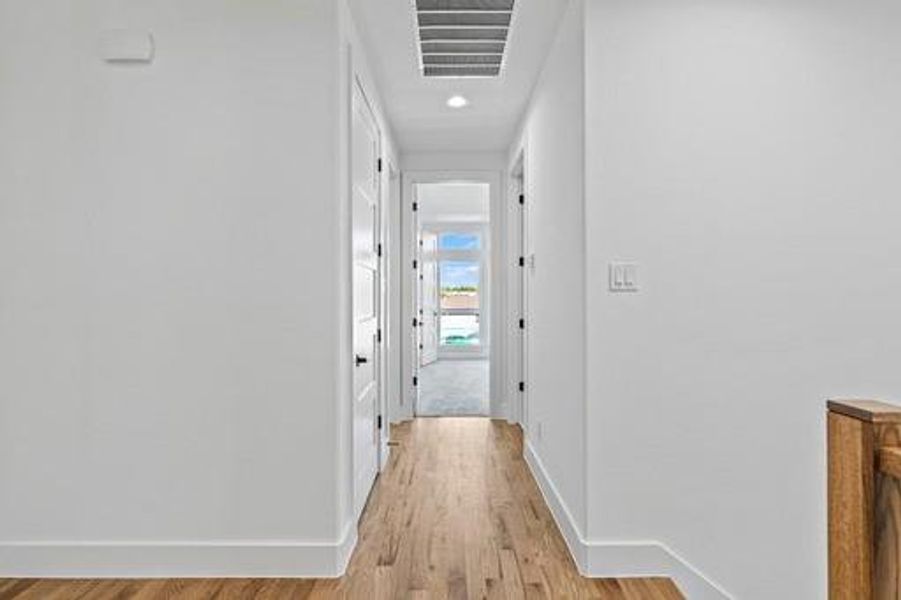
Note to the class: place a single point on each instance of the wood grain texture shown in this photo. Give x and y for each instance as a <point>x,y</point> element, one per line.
<point>870,411</point>
<point>864,502</point>
<point>890,461</point>
<point>455,515</point>
<point>850,490</point>
<point>887,513</point>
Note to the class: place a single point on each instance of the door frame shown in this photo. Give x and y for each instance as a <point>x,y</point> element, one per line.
<point>358,83</point>
<point>394,317</point>
<point>497,301</point>
<point>424,260</point>
<point>520,265</point>
<point>483,256</point>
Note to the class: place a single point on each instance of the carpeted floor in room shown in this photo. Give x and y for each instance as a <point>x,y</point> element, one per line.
<point>454,388</point>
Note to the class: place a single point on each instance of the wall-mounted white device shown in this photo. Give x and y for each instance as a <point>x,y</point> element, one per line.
<point>126,46</point>
<point>623,277</point>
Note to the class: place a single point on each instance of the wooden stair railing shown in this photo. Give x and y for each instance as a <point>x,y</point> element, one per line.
<point>864,447</point>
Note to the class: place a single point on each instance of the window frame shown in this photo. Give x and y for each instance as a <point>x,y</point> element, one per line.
<point>483,257</point>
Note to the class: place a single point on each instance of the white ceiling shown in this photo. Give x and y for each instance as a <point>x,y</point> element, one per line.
<point>416,105</point>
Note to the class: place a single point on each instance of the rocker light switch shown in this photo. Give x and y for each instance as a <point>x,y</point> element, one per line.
<point>623,277</point>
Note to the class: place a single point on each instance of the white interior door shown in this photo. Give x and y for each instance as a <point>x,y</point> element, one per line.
<point>428,301</point>
<point>365,185</point>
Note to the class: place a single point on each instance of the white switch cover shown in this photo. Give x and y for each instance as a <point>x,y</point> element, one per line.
<point>126,46</point>
<point>623,277</point>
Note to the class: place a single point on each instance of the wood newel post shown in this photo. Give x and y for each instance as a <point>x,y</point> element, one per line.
<point>863,503</point>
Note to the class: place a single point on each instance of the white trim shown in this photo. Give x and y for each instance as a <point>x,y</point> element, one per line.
<point>128,560</point>
<point>486,282</point>
<point>517,305</point>
<point>651,559</point>
<point>346,548</point>
<point>565,522</point>
<point>620,559</point>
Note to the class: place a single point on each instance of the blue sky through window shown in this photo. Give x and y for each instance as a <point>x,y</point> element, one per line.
<point>459,272</point>
<point>459,241</point>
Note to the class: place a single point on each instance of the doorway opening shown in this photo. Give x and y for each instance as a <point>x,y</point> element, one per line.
<point>453,298</point>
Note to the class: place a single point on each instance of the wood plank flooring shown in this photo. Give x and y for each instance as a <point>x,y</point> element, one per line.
<point>455,515</point>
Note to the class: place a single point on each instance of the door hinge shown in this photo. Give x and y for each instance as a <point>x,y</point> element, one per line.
<point>522,198</point>
<point>379,250</point>
<point>522,261</point>
<point>415,323</point>
<point>415,381</point>
<point>415,206</point>
<point>422,346</point>
<point>380,165</point>
<point>522,323</point>
<point>522,386</point>
<point>378,336</point>
<point>380,421</point>
<point>415,264</point>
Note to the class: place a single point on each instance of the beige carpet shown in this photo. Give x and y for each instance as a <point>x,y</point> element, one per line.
<point>454,388</point>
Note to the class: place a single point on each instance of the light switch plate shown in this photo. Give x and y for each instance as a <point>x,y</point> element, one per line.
<point>623,277</point>
<point>126,46</point>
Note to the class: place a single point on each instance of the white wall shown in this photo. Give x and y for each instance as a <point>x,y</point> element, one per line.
<point>168,377</point>
<point>454,203</point>
<point>453,161</point>
<point>552,141</point>
<point>745,153</point>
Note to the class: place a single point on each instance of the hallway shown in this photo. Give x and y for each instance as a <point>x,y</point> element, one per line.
<point>455,515</point>
<point>458,515</point>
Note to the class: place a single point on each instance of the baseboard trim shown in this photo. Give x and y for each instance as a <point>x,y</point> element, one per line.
<point>127,560</point>
<point>620,559</point>
<point>651,559</point>
<point>346,548</point>
<point>565,522</point>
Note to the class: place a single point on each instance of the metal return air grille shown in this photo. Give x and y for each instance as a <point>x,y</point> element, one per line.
<point>463,38</point>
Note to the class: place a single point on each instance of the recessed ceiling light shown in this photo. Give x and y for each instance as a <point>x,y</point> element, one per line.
<point>457,102</point>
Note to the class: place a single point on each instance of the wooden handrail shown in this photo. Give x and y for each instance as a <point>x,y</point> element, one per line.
<point>864,499</point>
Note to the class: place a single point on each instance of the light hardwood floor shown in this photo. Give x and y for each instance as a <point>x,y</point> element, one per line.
<point>455,515</point>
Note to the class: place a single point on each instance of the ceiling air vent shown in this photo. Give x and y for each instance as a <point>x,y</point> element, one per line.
<point>463,38</point>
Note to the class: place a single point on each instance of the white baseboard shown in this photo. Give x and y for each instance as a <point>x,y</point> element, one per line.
<point>651,559</point>
<point>287,559</point>
<point>346,548</point>
<point>565,522</point>
<point>620,559</point>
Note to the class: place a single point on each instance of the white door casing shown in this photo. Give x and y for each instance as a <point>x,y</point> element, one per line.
<point>428,299</point>
<point>494,309</point>
<point>523,264</point>
<point>519,267</point>
<point>366,185</point>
